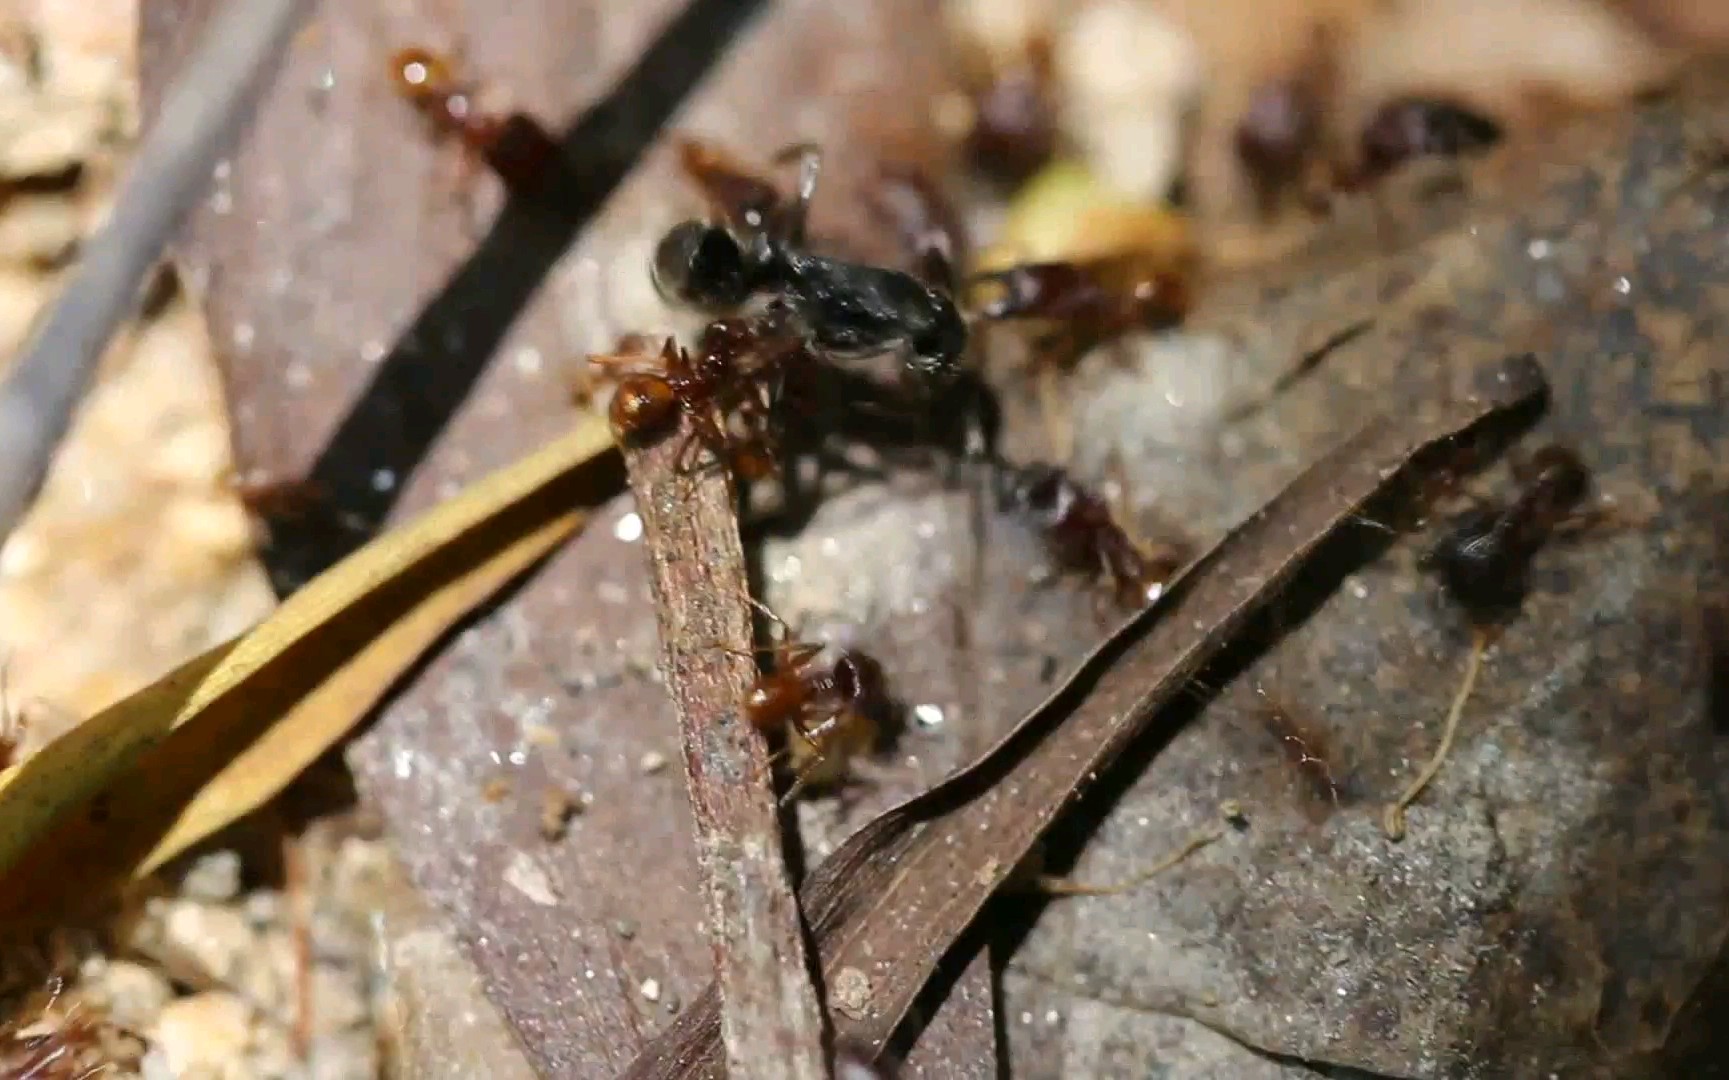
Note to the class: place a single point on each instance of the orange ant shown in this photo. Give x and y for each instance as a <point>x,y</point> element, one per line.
<point>1094,299</point>
<point>829,712</point>
<point>1083,534</point>
<point>726,378</point>
<point>515,146</point>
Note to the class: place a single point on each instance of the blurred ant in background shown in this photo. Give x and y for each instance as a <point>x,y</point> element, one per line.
<point>515,146</point>
<point>1084,535</point>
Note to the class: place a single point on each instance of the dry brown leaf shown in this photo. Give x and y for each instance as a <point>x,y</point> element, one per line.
<point>227,730</point>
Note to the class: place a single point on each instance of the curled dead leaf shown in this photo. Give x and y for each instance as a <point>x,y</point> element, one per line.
<point>149,776</point>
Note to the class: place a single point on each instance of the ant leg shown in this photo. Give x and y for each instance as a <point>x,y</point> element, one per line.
<point>809,158</point>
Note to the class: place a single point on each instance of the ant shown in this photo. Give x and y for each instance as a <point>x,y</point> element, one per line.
<point>829,712</point>
<point>63,1042</point>
<point>515,146</point>
<point>711,386</point>
<point>1083,534</point>
<point>1483,560</point>
<point>1409,128</point>
<point>846,309</point>
<point>1097,298</point>
<point>1014,129</point>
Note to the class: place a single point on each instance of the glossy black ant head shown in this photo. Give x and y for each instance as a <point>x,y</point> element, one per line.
<point>939,340</point>
<point>1041,491</point>
<point>701,266</point>
<point>862,682</point>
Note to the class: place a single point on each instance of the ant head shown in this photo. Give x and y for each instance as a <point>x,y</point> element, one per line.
<point>861,681</point>
<point>642,405</point>
<point>937,345</point>
<point>700,265</point>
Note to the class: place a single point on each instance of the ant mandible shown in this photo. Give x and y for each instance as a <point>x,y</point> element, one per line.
<point>1082,533</point>
<point>846,309</point>
<point>515,146</point>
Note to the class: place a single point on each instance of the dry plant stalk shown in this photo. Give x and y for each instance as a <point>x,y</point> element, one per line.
<point>771,1018</point>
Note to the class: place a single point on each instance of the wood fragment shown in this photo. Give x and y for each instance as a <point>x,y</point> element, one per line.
<point>897,895</point>
<point>772,1021</point>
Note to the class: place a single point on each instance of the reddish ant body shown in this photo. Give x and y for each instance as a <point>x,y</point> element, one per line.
<point>829,712</point>
<point>515,146</point>
<point>1406,129</point>
<point>1082,533</point>
<point>1014,123</point>
<point>1093,299</point>
<point>725,380</point>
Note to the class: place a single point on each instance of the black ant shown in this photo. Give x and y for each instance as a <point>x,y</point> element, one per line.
<point>1484,556</point>
<point>1483,559</point>
<point>1096,299</point>
<point>726,379</point>
<point>846,309</point>
<point>515,146</point>
<point>1014,130</point>
<point>828,713</point>
<point>1083,534</point>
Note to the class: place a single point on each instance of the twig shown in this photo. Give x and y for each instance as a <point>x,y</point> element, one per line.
<point>201,114</point>
<point>1393,821</point>
<point>771,1019</point>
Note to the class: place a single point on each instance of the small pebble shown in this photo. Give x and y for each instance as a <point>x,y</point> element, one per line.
<point>625,929</point>
<point>131,994</point>
<point>652,762</point>
<point>214,877</point>
<point>205,1035</point>
<point>651,989</point>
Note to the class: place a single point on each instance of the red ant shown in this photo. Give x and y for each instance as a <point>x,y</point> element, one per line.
<point>1095,299</point>
<point>829,712</point>
<point>63,1050</point>
<point>724,380</point>
<point>515,146</point>
<point>1082,533</point>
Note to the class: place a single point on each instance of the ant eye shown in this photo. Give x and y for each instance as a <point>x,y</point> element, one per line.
<point>700,265</point>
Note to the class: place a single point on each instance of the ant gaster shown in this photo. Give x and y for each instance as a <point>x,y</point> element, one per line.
<point>845,308</point>
<point>1097,299</point>
<point>1484,557</point>
<point>514,146</point>
<point>1082,533</point>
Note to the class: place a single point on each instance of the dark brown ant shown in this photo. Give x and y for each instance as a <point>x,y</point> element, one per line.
<point>1014,123</point>
<point>1095,299</point>
<point>845,308</point>
<point>1282,129</point>
<point>905,201</point>
<point>829,713</point>
<point>1083,534</point>
<point>1483,558</point>
<point>1409,128</point>
<point>725,380</point>
<point>515,146</point>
